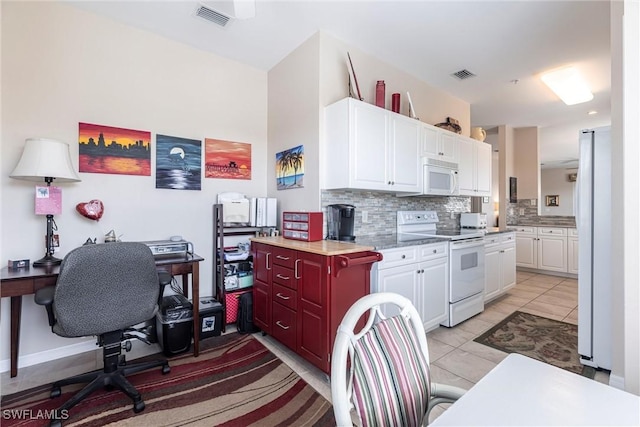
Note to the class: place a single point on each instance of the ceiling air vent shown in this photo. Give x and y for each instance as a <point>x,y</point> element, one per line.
<point>463,74</point>
<point>212,16</point>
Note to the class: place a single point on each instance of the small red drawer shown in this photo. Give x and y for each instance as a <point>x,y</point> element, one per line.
<point>284,325</point>
<point>284,276</point>
<point>282,256</point>
<point>305,226</point>
<point>284,296</point>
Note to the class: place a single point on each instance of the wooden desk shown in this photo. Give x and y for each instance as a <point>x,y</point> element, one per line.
<point>19,282</point>
<point>521,391</point>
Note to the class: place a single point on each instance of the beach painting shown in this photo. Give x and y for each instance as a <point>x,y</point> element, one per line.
<point>290,168</point>
<point>112,150</point>
<point>178,163</point>
<point>227,159</point>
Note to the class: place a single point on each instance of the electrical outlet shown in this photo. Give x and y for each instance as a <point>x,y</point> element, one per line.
<point>365,217</point>
<point>521,211</point>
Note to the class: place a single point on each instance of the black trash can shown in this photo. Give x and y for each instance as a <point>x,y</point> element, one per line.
<point>174,324</point>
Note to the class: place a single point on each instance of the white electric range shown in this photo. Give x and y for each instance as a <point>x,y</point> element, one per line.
<point>466,261</point>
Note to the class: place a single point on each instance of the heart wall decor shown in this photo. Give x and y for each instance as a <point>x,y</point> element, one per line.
<point>92,209</point>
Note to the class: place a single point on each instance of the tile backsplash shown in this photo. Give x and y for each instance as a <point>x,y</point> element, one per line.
<point>530,216</point>
<point>381,209</point>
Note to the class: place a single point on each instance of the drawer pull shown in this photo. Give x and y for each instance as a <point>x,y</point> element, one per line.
<point>282,326</point>
<point>403,256</point>
<point>284,297</point>
<point>285,258</point>
<point>435,251</point>
<point>280,276</point>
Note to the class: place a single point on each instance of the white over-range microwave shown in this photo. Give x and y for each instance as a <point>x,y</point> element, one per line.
<point>440,178</point>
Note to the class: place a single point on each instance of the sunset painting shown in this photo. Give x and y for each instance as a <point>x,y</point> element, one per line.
<point>106,149</point>
<point>290,168</point>
<point>227,159</point>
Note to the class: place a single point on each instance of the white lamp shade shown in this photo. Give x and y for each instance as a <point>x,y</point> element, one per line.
<point>43,158</point>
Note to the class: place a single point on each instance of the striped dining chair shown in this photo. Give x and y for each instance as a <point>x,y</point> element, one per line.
<point>381,373</point>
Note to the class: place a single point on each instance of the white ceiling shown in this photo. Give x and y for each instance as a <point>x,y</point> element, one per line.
<point>499,41</point>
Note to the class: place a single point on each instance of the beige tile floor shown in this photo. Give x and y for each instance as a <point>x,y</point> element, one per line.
<point>455,358</point>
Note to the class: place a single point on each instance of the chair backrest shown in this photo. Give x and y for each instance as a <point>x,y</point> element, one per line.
<point>105,287</point>
<point>382,370</point>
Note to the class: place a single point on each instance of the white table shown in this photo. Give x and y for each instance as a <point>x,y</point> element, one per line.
<point>521,391</point>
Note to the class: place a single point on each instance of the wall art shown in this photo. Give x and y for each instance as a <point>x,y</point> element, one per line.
<point>227,159</point>
<point>290,168</point>
<point>553,200</point>
<point>106,149</point>
<point>178,163</point>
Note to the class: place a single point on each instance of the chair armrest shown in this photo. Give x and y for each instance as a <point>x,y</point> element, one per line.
<point>44,297</point>
<point>164,278</point>
<point>445,391</point>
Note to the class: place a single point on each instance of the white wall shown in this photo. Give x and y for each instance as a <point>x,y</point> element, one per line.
<point>61,66</point>
<point>527,164</point>
<point>556,182</point>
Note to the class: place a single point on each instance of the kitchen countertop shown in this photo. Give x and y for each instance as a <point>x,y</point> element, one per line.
<point>390,241</point>
<point>321,247</point>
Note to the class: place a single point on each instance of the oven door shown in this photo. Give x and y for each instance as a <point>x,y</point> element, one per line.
<point>439,180</point>
<point>467,268</point>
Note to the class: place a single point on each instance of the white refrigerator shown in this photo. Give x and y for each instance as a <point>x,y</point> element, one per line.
<point>593,221</point>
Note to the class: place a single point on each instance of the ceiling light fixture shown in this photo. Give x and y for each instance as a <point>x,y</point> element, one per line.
<point>592,113</point>
<point>568,84</point>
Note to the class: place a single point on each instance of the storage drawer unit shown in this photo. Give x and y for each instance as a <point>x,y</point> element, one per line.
<point>305,226</point>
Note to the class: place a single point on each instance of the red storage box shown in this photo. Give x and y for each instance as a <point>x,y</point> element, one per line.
<point>305,226</point>
<point>232,301</point>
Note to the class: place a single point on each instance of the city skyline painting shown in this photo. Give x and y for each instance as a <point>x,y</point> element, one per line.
<point>290,168</point>
<point>227,159</point>
<point>113,150</point>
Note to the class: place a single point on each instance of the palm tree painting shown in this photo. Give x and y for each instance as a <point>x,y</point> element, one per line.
<point>290,168</point>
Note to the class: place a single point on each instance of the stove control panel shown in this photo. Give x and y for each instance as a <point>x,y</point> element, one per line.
<point>417,217</point>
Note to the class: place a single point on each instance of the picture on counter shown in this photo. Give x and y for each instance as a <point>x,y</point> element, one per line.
<point>290,168</point>
<point>227,159</point>
<point>178,163</point>
<point>106,149</point>
<point>553,200</point>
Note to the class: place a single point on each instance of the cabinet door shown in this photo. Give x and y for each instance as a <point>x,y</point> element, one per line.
<point>483,168</point>
<point>508,260</point>
<point>262,306</point>
<point>435,294</point>
<point>404,155</point>
<point>552,253</point>
<point>572,243</point>
<point>262,262</point>
<point>369,133</point>
<point>526,251</point>
<point>313,330</point>
<point>492,273</point>
<point>403,280</point>
<point>449,150</point>
<point>466,167</point>
<point>430,141</point>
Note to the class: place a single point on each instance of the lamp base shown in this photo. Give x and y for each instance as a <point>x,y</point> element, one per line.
<point>47,261</point>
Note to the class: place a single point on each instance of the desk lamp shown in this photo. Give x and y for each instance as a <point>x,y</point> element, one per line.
<point>46,159</point>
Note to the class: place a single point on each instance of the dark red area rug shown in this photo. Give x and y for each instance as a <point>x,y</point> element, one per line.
<point>235,381</point>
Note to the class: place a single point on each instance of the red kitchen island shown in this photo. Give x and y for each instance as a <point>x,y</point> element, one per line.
<point>302,290</point>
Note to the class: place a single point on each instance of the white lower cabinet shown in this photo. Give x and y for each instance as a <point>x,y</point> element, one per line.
<point>547,248</point>
<point>419,273</point>
<point>499,264</point>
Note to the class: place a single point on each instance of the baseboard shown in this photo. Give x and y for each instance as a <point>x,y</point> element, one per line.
<point>548,272</point>
<point>49,355</point>
<point>139,349</point>
<point>616,381</point>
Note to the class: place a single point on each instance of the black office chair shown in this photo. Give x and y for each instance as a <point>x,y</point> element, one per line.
<point>104,290</point>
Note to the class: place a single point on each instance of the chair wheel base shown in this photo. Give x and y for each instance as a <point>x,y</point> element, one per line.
<point>55,392</point>
<point>55,423</point>
<point>138,407</point>
<point>166,369</point>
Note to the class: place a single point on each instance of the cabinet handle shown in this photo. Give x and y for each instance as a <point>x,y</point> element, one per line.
<point>285,258</point>
<point>403,256</point>
<point>280,276</point>
<point>284,297</point>
<point>295,269</point>
<point>267,261</point>
<point>435,251</point>
<point>282,326</point>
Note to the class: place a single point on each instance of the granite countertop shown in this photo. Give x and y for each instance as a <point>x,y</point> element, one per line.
<point>542,224</point>
<point>390,241</point>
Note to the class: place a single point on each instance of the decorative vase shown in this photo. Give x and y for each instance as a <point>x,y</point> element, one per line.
<point>395,103</point>
<point>380,93</point>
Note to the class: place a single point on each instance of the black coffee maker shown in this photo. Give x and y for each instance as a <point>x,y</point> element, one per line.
<point>340,222</point>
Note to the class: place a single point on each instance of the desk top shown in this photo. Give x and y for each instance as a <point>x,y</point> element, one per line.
<point>36,272</point>
<point>521,391</point>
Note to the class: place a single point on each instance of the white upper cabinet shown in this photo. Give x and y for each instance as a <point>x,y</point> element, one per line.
<point>439,144</point>
<point>369,148</point>
<point>475,167</point>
